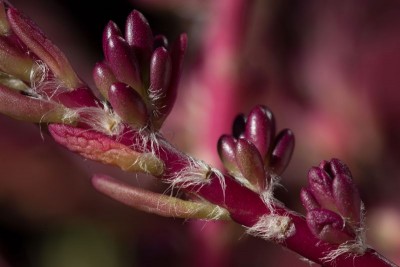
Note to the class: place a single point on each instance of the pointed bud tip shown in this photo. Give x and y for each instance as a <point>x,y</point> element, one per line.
<point>338,167</point>
<point>160,41</point>
<point>111,29</point>
<point>123,62</point>
<point>260,129</point>
<point>308,200</point>
<point>183,40</point>
<point>138,33</point>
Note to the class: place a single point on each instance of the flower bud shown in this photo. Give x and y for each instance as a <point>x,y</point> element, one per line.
<point>226,151</point>
<point>250,164</point>
<point>331,187</point>
<point>338,167</point>
<point>128,104</point>
<point>103,78</point>
<point>21,107</point>
<point>14,61</point>
<point>111,30</point>
<point>177,55</point>
<point>260,129</point>
<point>139,36</point>
<point>160,74</point>
<point>43,48</point>
<point>328,226</point>
<point>347,198</point>
<point>282,151</point>
<point>320,185</point>
<point>123,62</point>
<point>308,200</point>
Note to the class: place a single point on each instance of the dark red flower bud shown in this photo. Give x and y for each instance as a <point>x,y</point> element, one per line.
<point>320,185</point>
<point>260,129</point>
<point>282,151</point>
<point>139,36</point>
<point>177,55</point>
<point>347,198</point>
<point>308,200</point>
<point>329,226</point>
<point>250,164</point>
<point>103,78</point>
<point>160,75</point>
<point>128,104</point>
<point>123,62</point>
<point>226,151</point>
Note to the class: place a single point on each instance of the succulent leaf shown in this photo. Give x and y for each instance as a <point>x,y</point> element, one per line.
<point>30,34</point>
<point>123,62</point>
<point>103,78</point>
<point>96,146</point>
<point>226,151</point>
<point>282,151</point>
<point>250,164</point>
<point>163,205</point>
<point>328,226</point>
<point>128,104</point>
<point>260,129</point>
<point>347,198</point>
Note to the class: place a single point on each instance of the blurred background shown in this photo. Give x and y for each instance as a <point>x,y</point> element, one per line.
<point>329,70</point>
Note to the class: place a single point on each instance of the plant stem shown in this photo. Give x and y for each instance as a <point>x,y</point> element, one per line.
<point>246,208</point>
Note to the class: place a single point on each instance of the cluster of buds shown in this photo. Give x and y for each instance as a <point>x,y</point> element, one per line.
<point>139,76</point>
<point>253,155</point>
<point>138,80</point>
<point>333,204</point>
<point>34,74</point>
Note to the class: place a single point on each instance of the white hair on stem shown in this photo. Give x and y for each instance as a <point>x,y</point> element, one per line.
<point>353,248</point>
<point>273,227</point>
<point>149,140</point>
<point>196,174</point>
<point>103,120</point>
<point>192,209</point>
<point>147,162</point>
<point>268,194</point>
<point>217,213</point>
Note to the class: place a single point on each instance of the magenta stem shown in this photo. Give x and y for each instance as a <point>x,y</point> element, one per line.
<point>246,207</point>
